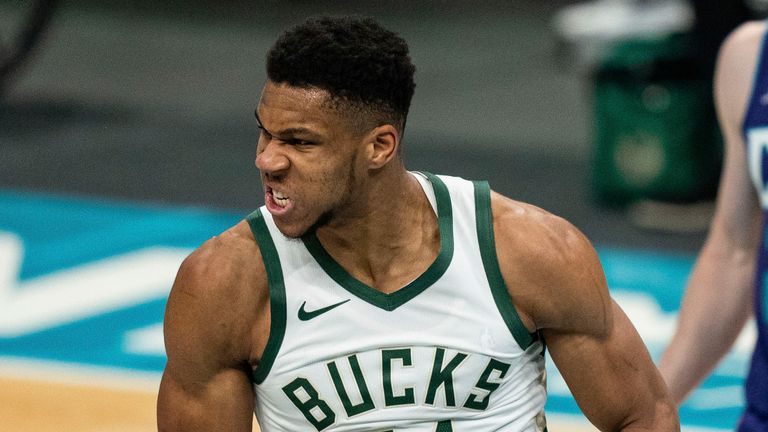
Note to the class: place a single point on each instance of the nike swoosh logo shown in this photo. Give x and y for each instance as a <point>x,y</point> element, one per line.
<point>306,315</point>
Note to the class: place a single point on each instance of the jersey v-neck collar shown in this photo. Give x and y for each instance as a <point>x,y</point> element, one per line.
<point>392,301</point>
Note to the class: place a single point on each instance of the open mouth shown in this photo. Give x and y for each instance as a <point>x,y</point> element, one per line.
<point>279,198</point>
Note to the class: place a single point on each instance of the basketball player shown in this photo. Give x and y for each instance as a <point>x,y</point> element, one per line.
<point>729,277</point>
<point>365,297</point>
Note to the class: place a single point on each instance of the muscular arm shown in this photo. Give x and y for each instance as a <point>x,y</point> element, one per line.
<point>557,283</point>
<point>717,301</point>
<point>206,385</point>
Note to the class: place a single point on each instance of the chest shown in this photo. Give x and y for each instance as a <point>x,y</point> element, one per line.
<point>352,357</point>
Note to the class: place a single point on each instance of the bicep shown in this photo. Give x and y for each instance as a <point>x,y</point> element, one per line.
<point>206,383</point>
<point>611,376</point>
<point>223,402</point>
<point>555,278</point>
<point>729,253</point>
<point>737,214</point>
<point>737,203</point>
<point>730,248</point>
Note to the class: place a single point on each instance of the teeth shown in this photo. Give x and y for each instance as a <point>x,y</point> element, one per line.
<point>280,199</point>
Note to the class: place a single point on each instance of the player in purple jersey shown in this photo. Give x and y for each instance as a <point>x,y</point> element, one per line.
<point>720,296</point>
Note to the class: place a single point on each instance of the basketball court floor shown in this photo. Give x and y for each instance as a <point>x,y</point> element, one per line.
<point>129,139</point>
<point>83,285</point>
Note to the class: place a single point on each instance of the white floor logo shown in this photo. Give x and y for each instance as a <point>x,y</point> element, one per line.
<point>72,294</point>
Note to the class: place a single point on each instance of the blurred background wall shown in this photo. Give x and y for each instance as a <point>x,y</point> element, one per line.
<point>153,101</point>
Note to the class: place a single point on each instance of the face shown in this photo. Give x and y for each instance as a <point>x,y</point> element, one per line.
<point>309,158</point>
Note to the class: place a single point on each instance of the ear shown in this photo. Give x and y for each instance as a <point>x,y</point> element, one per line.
<point>382,143</point>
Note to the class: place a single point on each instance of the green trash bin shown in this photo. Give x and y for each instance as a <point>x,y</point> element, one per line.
<point>656,136</point>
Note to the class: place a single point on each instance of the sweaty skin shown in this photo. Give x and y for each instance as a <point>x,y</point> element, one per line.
<point>373,218</point>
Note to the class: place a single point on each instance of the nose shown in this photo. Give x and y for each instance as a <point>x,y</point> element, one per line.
<point>270,159</point>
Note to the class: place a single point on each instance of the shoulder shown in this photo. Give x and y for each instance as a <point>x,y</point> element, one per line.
<point>735,70</point>
<point>551,269</point>
<point>217,292</point>
<point>748,34</point>
<point>528,233</point>
<point>222,267</point>
<point>230,256</point>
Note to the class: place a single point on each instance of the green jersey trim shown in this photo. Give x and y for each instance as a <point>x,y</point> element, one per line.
<point>392,301</point>
<point>276,294</point>
<point>484,220</point>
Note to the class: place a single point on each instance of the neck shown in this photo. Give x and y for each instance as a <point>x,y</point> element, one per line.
<point>388,235</point>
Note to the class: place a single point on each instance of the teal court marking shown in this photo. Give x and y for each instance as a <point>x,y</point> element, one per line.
<point>84,282</point>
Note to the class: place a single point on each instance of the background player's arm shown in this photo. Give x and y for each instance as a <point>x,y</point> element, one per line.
<point>558,286</point>
<point>718,298</point>
<point>205,386</point>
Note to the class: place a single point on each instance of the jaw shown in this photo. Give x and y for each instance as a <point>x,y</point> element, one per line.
<point>337,215</point>
<point>294,222</point>
<point>330,198</point>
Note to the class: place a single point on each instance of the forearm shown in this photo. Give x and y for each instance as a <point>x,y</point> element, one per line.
<point>717,303</point>
<point>622,389</point>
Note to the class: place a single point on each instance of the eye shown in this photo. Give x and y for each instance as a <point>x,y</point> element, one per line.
<point>299,142</point>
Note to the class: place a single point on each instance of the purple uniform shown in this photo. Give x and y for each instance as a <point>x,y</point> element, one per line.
<point>755,130</point>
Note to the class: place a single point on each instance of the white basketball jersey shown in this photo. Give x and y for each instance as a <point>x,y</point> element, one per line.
<point>447,352</point>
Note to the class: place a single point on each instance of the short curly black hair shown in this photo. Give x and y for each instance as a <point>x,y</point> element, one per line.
<point>356,60</point>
